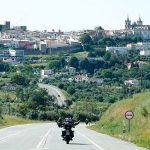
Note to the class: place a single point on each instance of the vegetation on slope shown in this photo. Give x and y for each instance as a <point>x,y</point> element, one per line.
<point>113,121</point>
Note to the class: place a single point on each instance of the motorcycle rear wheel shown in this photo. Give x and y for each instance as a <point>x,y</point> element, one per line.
<point>67,141</point>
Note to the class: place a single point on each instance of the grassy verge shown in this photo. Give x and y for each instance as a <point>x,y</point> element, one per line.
<point>67,95</point>
<point>114,123</point>
<point>7,121</point>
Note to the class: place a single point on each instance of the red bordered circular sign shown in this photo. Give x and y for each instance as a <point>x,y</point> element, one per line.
<point>129,115</point>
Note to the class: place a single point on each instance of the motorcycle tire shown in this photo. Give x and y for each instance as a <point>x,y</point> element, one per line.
<point>67,141</point>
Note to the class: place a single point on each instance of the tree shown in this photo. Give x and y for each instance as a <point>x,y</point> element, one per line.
<point>55,64</point>
<point>39,97</point>
<point>107,56</point>
<point>4,67</point>
<point>63,62</point>
<point>87,65</point>
<point>74,62</point>
<point>86,39</point>
<point>20,80</point>
<point>61,85</point>
<point>100,52</point>
<point>107,74</point>
<point>84,64</point>
<point>71,90</point>
<point>137,39</point>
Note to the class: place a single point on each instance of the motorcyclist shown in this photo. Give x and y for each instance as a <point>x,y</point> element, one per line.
<point>67,123</point>
<point>86,121</point>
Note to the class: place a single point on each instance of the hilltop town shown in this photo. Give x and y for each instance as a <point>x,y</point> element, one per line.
<point>54,42</point>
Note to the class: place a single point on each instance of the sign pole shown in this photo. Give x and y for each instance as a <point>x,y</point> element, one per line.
<point>129,125</point>
<point>129,115</point>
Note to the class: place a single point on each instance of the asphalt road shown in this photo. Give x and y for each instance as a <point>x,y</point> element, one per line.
<point>52,90</point>
<point>48,137</point>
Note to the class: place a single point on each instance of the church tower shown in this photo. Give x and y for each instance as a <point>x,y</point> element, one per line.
<point>127,23</point>
<point>139,22</point>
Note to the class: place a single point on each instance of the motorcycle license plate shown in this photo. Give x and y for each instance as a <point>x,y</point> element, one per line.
<point>67,132</point>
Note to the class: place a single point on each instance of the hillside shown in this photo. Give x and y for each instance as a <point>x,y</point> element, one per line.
<point>114,123</point>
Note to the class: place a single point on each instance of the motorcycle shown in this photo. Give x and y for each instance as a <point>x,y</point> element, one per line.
<point>67,133</point>
<point>67,125</point>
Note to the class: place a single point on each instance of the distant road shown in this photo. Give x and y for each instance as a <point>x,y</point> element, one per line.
<point>47,136</point>
<point>53,90</point>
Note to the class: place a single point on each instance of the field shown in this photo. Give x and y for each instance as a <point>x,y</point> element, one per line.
<point>79,54</point>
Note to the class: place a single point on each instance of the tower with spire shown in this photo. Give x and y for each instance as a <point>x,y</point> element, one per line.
<point>139,22</point>
<point>127,23</point>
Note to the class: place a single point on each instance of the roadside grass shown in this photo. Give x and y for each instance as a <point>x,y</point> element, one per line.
<point>113,122</point>
<point>7,121</point>
<point>79,54</point>
<point>67,95</point>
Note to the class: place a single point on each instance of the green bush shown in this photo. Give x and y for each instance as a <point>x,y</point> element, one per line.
<point>144,112</point>
<point>42,116</point>
<point>33,115</point>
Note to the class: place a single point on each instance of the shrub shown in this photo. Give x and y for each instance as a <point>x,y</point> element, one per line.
<point>33,115</point>
<point>61,85</point>
<point>71,90</point>
<point>144,112</point>
<point>42,116</point>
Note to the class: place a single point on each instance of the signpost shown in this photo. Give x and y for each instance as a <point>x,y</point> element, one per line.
<point>129,115</point>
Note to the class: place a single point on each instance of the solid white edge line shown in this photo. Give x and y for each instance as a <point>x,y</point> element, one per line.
<point>96,145</point>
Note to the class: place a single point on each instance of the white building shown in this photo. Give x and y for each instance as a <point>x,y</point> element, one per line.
<point>80,78</point>
<point>73,42</point>
<point>72,70</point>
<point>43,46</point>
<point>96,80</point>
<point>124,50</point>
<point>11,55</point>
<point>145,52</point>
<point>145,35</point>
<point>139,46</point>
<point>133,82</point>
<point>121,50</point>
<point>46,73</point>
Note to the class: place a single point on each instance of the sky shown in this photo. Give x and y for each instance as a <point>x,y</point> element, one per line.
<point>68,15</point>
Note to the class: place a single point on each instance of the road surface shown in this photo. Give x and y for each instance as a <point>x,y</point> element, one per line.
<point>48,137</point>
<point>52,90</point>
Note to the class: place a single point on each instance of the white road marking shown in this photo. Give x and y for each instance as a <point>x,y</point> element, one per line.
<point>2,139</point>
<point>44,139</point>
<point>96,145</point>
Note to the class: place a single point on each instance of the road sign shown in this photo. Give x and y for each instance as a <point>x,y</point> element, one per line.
<point>129,115</point>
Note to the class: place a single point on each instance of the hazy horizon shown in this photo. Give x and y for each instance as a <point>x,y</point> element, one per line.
<point>73,14</point>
